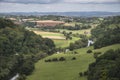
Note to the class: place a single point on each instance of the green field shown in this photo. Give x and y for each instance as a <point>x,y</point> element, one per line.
<point>64,43</point>
<point>66,70</point>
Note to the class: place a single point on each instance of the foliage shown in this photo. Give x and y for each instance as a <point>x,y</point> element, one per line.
<point>21,77</point>
<point>48,60</point>
<point>6,23</point>
<point>61,59</point>
<point>107,33</point>
<point>27,67</point>
<point>89,51</point>
<point>106,67</point>
<point>78,44</point>
<point>80,74</point>
<point>17,47</point>
<point>74,58</point>
<point>54,59</point>
<point>76,27</point>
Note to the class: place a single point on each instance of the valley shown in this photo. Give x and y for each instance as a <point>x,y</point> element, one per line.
<point>68,69</point>
<point>52,51</point>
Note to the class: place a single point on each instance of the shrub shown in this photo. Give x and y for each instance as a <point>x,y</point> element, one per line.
<point>74,58</point>
<point>85,73</point>
<point>89,51</point>
<point>54,59</point>
<point>75,52</point>
<point>80,74</point>
<point>61,59</point>
<point>49,60</point>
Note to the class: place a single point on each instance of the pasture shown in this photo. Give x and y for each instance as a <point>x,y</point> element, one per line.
<point>66,70</point>
<point>64,43</point>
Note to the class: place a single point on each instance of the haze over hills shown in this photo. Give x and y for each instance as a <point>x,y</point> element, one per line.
<point>80,14</point>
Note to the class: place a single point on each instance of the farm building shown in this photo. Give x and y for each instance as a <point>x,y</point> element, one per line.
<point>48,23</point>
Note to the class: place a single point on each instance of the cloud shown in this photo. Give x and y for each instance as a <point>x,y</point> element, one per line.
<point>92,1</point>
<point>30,1</point>
<point>60,1</point>
<point>59,7</point>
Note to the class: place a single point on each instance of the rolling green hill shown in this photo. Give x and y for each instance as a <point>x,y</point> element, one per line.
<point>66,70</point>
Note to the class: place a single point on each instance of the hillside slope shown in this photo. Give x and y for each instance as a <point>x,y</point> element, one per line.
<point>69,69</point>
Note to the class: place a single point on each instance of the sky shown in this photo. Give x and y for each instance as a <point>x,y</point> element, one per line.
<point>59,5</point>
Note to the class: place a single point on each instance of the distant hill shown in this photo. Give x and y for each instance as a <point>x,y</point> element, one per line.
<point>83,14</point>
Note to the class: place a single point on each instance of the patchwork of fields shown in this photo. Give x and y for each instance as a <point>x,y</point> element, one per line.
<point>58,38</point>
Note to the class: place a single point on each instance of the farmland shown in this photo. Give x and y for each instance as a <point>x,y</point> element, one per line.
<point>50,35</point>
<point>58,38</point>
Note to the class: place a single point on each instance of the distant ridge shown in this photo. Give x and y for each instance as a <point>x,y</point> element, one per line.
<point>80,14</point>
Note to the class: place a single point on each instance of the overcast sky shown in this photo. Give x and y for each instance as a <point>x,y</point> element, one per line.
<point>59,5</point>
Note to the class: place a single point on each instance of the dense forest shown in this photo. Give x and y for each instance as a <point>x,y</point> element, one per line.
<point>106,67</point>
<point>107,33</point>
<point>20,49</point>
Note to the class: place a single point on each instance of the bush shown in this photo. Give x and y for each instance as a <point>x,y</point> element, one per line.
<point>74,58</point>
<point>49,60</point>
<point>54,59</point>
<point>89,51</point>
<point>75,52</point>
<point>85,73</point>
<point>80,74</point>
<point>61,59</point>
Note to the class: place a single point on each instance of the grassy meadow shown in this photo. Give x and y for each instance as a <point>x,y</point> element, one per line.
<point>66,70</point>
<point>64,43</point>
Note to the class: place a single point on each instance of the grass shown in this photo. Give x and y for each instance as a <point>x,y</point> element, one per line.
<point>64,43</point>
<point>66,70</point>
